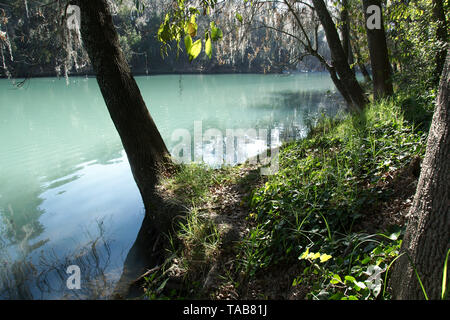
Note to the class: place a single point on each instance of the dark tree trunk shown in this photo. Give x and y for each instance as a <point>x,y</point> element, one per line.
<point>427,237</point>
<point>345,30</point>
<point>339,59</point>
<point>143,144</point>
<point>441,35</point>
<point>341,88</point>
<point>379,59</point>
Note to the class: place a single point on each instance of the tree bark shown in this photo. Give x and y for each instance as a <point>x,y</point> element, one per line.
<point>379,59</point>
<point>345,30</point>
<point>143,144</point>
<point>441,35</point>
<point>427,237</point>
<point>339,59</point>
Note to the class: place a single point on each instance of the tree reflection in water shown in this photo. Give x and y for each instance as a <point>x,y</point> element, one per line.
<point>43,276</point>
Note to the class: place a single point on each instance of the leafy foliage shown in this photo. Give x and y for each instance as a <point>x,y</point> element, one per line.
<point>180,23</point>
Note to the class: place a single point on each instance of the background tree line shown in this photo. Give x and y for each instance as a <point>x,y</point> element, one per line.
<point>34,44</point>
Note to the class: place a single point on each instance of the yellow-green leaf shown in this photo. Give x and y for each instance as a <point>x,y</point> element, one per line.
<point>315,256</point>
<point>208,47</point>
<point>304,254</point>
<point>310,255</point>
<point>325,257</point>
<point>195,49</point>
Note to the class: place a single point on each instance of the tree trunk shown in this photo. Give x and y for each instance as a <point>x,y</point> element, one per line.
<point>379,59</point>
<point>441,35</point>
<point>427,237</point>
<point>339,59</point>
<point>345,30</point>
<point>142,142</point>
<point>346,43</point>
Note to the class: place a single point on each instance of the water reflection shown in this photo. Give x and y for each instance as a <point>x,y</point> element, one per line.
<point>44,275</point>
<point>63,172</point>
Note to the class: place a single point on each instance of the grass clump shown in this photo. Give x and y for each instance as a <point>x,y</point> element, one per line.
<point>191,182</point>
<point>196,240</point>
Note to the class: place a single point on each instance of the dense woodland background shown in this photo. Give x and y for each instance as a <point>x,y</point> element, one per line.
<point>33,44</point>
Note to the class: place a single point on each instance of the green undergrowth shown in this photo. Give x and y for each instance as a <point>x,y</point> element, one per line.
<point>310,212</point>
<point>195,239</point>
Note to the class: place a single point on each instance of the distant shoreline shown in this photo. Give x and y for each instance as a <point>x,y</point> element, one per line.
<point>136,74</point>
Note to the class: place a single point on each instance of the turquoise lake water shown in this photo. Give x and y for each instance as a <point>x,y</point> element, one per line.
<point>67,195</point>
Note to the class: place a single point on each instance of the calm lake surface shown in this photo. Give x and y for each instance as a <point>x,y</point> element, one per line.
<point>67,195</point>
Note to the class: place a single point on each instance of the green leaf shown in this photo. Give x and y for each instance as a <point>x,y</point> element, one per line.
<point>325,257</point>
<point>239,17</point>
<point>315,256</point>
<point>216,33</point>
<point>208,47</point>
<point>444,277</point>
<point>336,279</point>
<point>195,50</point>
<point>366,260</point>
<point>188,43</point>
<point>350,279</point>
<point>336,296</point>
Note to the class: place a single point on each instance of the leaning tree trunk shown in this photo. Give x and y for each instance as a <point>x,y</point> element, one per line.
<point>340,61</point>
<point>140,137</point>
<point>379,59</point>
<point>427,237</point>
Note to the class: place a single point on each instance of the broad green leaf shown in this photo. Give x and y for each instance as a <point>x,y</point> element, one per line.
<point>195,50</point>
<point>239,17</point>
<point>208,47</point>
